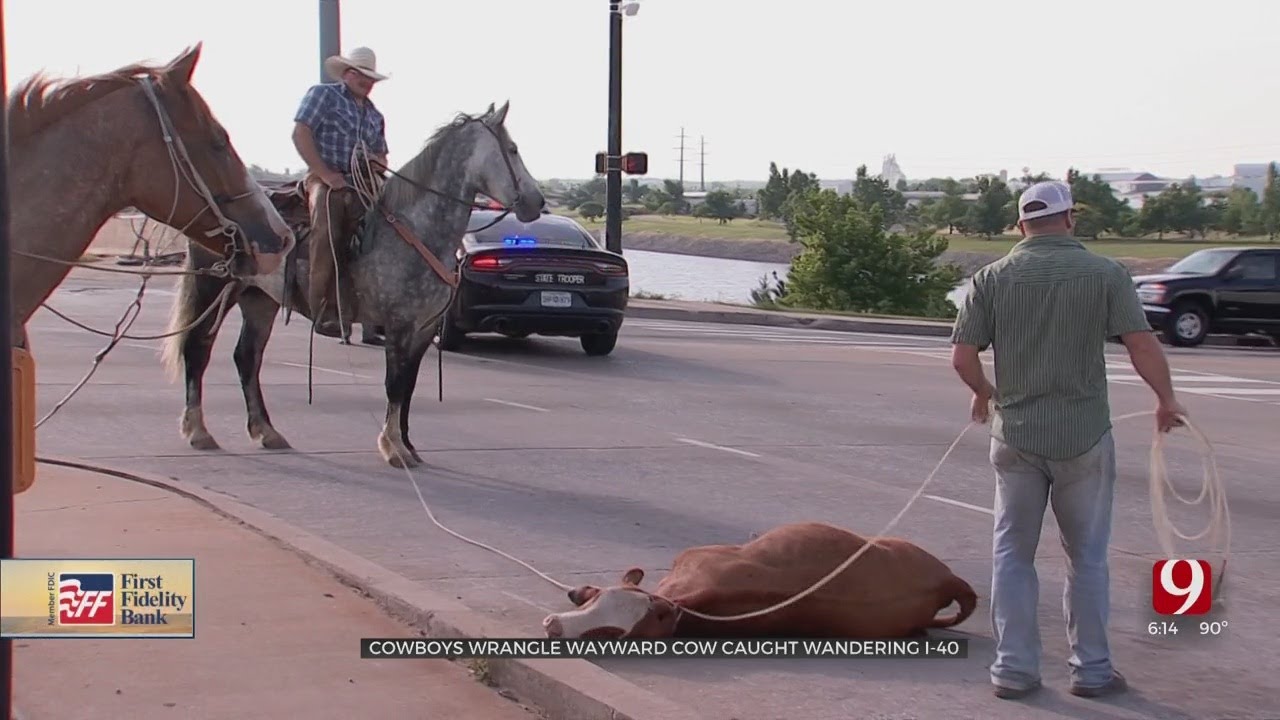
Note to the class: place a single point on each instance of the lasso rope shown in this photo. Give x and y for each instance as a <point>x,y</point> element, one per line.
<point>1211,488</point>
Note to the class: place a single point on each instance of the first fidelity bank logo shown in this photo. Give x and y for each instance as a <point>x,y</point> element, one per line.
<point>93,598</point>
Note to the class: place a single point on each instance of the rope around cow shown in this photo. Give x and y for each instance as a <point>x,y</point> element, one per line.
<point>1211,487</point>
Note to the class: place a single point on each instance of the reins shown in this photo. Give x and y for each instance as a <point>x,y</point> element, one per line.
<point>371,199</point>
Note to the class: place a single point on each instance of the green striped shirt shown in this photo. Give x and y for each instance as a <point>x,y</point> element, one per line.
<point>1046,310</point>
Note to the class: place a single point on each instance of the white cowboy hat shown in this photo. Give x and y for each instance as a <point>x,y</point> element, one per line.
<point>361,59</point>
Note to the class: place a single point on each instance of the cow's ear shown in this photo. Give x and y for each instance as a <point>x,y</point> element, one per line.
<point>633,576</point>
<point>583,593</point>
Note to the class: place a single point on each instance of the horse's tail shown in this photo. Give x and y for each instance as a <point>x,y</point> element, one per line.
<point>182,313</point>
<point>962,593</point>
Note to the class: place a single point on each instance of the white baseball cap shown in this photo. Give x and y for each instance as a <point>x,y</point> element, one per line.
<point>1054,195</point>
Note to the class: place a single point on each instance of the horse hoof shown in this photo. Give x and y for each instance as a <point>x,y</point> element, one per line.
<point>273,440</point>
<point>397,457</point>
<point>204,442</point>
<point>404,461</point>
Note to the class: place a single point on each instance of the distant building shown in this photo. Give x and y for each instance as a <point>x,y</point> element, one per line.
<point>890,172</point>
<point>1252,176</point>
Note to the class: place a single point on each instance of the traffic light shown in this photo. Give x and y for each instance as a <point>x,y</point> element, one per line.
<point>636,163</point>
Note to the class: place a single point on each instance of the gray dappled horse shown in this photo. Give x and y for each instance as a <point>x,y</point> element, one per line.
<point>402,268</point>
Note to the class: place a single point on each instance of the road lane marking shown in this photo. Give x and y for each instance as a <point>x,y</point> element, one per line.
<point>712,446</point>
<point>957,503</point>
<point>527,601</point>
<point>320,369</point>
<point>1177,378</point>
<point>1232,390</point>
<point>780,331</point>
<point>516,404</point>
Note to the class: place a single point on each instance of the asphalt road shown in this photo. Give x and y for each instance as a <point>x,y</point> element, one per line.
<point>692,434</point>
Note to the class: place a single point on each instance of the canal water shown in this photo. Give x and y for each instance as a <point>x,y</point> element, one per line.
<point>706,279</point>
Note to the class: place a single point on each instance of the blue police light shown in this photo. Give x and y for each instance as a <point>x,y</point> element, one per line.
<point>519,240</point>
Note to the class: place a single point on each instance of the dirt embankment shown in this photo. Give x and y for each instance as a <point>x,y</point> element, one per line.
<point>781,251</point>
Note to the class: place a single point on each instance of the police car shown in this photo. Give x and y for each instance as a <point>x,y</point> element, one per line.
<point>547,277</point>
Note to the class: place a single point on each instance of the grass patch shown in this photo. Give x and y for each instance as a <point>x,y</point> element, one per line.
<point>1112,247</point>
<point>789,310</point>
<point>685,226</point>
<point>698,228</point>
<point>647,295</point>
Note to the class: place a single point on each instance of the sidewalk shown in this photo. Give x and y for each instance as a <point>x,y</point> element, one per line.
<point>291,652</point>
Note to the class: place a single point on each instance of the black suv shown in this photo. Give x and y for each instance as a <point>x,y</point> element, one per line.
<point>1233,291</point>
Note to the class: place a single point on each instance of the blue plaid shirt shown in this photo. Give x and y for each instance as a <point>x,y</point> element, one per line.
<point>338,123</point>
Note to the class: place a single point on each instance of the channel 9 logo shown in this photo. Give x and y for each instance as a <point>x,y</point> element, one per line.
<point>1181,587</point>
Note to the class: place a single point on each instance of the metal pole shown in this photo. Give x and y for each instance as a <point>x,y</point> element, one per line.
<point>613,180</point>
<point>6,382</point>
<point>330,34</point>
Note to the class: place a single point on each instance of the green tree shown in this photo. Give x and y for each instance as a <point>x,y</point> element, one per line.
<point>850,263</point>
<point>1183,208</point>
<point>1154,216</point>
<point>720,205</point>
<point>949,211</point>
<point>779,188</point>
<point>1108,212</point>
<point>1242,214</point>
<point>1270,210</point>
<point>592,190</point>
<point>669,199</point>
<point>591,210</point>
<point>635,192</point>
<point>871,191</point>
<point>992,213</point>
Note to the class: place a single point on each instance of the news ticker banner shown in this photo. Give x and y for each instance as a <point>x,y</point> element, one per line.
<point>97,598</point>
<point>564,648</point>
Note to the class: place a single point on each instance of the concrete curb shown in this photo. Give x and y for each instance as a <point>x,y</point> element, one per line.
<point>562,688</point>
<point>711,313</point>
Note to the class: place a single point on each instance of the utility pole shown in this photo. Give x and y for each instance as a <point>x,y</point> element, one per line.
<point>6,383</point>
<point>681,149</point>
<point>330,34</point>
<point>702,163</point>
<point>613,176</point>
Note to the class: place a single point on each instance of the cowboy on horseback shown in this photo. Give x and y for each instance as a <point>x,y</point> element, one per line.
<point>337,131</point>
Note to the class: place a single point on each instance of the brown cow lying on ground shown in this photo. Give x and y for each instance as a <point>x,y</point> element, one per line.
<point>893,590</point>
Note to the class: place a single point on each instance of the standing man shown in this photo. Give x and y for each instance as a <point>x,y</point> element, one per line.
<point>334,123</point>
<point>1046,309</point>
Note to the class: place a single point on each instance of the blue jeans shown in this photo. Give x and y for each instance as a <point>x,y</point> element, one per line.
<point>1081,491</point>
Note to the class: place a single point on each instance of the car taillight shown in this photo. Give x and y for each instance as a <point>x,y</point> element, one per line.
<point>489,262</point>
<point>611,268</point>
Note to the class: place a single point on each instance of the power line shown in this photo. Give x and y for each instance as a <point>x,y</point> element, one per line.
<point>702,163</point>
<point>682,138</point>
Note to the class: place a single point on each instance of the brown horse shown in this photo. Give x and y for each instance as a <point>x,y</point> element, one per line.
<point>82,150</point>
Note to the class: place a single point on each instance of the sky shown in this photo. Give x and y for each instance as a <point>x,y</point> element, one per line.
<point>950,88</point>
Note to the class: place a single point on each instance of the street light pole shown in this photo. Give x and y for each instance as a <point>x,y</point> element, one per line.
<point>613,175</point>
<point>330,34</point>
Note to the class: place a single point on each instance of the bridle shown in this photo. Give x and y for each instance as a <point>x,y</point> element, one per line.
<point>183,165</point>
<point>511,171</point>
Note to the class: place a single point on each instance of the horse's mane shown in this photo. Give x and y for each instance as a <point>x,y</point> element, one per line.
<point>419,168</point>
<point>40,101</point>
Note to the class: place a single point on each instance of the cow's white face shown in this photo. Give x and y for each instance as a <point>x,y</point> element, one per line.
<point>621,611</point>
